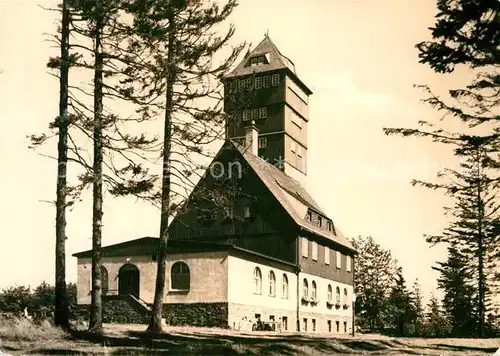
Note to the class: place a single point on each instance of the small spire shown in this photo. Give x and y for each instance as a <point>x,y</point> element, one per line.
<point>267,33</point>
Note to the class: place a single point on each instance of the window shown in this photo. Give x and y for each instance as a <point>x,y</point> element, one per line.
<point>294,146</point>
<point>314,250</point>
<point>329,225</point>
<point>272,284</point>
<point>241,85</point>
<point>275,80</point>
<point>257,276</point>
<point>305,290</point>
<point>249,83</point>
<point>338,325</point>
<point>305,247</point>
<point>263,113</point>
<point>329,326</point>
<point>345,296</point>
<point>314,290</point>
<point>345,326</point>
<point>253,61</point>
<point>285,323</point>
<point>338,259</point>
<point>255,113</point>
<point>299,150</point>
<point>309,216</point>
<point>246,115</point>
<point>284,286</point>
<point>267,79</point>
<point>327,255</point>
<point>258,82</point>
<point>314,324</point>
<point>179,276</point>
<point>247,213</point>
<point>234,85</point>
<point>305,324</point>
<point>329,294</point>
<point>337,295</point>
<point>262,142</point>
<point>260,60</point>
<point>319,222</point>
<point>348,263</point>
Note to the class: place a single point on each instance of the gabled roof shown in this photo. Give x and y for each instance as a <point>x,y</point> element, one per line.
<point>276,60</point>
<point>291,195</point>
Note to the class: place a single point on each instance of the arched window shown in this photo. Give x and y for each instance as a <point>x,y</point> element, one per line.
<point>345,295</point>
<point>257,276</point>
<point>104,280</point>
<point>284,286</point>
<point>337,294</point>
<point>272,284</point>
<point>306,288</point>
<point>330,293</point>
<point>314,290</point>
<point>179,276</point>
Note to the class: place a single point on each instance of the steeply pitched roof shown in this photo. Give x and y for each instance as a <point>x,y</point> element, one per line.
<point>276,60</point>
<point>292,196</point>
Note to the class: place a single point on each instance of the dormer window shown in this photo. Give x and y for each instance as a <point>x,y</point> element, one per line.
<point>257,61</point>
<point>329,225</point>
<point>319,221</point>
<point>309,216</point>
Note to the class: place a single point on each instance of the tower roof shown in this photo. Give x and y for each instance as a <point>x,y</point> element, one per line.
<point>275,61</point>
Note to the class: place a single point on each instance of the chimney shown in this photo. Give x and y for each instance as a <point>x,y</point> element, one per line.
<point>252,138</point>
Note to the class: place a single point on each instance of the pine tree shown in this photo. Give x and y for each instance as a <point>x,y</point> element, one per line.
<point>401,307</point>
<point>181,79</point>
<point>455,280</point>
<point>436,324</point>
<point>98,21</point>
<point>375,271</point>
<point>418,308</point>
<point>467,33</point>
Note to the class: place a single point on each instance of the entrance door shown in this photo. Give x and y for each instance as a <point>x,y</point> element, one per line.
<point>128,280</point>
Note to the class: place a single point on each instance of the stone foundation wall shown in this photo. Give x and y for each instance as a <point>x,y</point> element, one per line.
<point>322,323</point>
<point>116,312</point>
<point>196,314</point>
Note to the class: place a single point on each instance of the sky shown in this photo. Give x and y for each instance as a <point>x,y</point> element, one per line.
<point>359,59</point>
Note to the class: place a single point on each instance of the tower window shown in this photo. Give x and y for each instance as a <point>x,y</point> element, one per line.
<point>258,82</point>
<point>267,80</point>
<point>309,216</point>
<point>320,221</point>
<point>329,225</point>
<point>262,142</point>
<point>275,80</point>
<point>249,84</point>
<point>246,115</point>
<point>263,112</point>
<point>260,60</point>
<point>255,113</point>
<point>253,61</point>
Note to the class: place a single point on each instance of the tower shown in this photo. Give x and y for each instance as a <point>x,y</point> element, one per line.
<point>264,88</point>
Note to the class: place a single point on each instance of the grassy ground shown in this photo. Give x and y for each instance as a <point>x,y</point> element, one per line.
<point>20,337</point>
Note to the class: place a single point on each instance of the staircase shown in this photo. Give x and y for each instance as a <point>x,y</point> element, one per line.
<point>140,305</point>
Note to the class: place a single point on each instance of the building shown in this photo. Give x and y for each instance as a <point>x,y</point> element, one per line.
<point>250,242</point>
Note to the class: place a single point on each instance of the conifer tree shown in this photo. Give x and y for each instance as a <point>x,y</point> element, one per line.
<point>184,81</point>
<point>375,270</point>
<point>436,324</point>
<point>467,34</point>
<point>418,308</point>
<point>92,120</point>
<point>455,280</point>
<point>401,307</point>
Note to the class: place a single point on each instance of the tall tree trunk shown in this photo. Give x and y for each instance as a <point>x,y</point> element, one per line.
<point>61,311</point>
<point>95,324</point>
<point>155,324</point>
<point>480,247</point>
